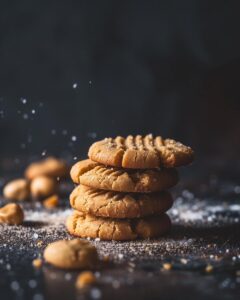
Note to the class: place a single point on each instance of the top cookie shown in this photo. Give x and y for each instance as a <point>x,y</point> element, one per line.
<point>140,152</point>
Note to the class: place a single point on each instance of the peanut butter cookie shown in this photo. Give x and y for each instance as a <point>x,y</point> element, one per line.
<point>98,176</point>
<point>119,205</point>
<point>140,152</point>
<point>116,229</point>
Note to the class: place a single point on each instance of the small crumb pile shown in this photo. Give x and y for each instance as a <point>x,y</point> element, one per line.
<point>122,187</point>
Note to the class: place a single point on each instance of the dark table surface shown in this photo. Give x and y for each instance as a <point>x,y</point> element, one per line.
<point>206,231</point>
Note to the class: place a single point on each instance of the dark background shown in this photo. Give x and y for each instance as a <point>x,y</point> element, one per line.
<point>166,67</point>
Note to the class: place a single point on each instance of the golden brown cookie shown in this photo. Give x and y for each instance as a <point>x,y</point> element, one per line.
<point>74,254</point>
<point>117,229</point>
<point>98,176</point>
<point>140,152</point>
<point>50,166</point>
<point>119,205</point>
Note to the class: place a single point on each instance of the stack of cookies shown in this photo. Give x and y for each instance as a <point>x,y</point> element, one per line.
<point>122,187</point>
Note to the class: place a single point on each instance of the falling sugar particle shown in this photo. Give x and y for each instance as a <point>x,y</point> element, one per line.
<point>90,82</point>
<point>25,116</point>
<point>74,138</point>
<point>23,146</point>
<point>64,132</point>
<point>8,267</point>
<point>23,100</point>
<point>53,131</point>
<point>75,158</point>
<point>33,111</point>
<point>75,85</point>
<point>44,152</point>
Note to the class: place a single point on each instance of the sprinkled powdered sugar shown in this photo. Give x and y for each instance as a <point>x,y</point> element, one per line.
<point>204,237</point>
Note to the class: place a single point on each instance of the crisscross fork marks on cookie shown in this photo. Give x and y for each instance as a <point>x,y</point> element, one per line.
<point>109,178</point>
<point>140,152</point>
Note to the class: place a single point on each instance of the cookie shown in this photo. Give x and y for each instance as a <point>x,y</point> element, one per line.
<point>73,254</point>
<point>140,152</point>
<point>50,166</point>
<point>117,229</point>
<point>119,205</point>
<point>98,176</point>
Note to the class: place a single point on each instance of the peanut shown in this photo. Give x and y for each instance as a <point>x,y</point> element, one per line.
<point>17,190</point>
<point>51,201</point>
<point>37,263</point>
<point>43,187</point>
<point>73,254</point>
<point>85,279</point>
<point>50,166</point>
<point>11,214</point>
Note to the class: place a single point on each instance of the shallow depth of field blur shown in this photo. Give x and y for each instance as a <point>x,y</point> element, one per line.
<point>77,72</point>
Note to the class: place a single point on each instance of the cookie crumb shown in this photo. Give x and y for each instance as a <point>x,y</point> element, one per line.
<point>209,268</point>
<point>85,279</point>
<point>39,243</point>
<point>167,266</point>
<point>51,202</point>
<point>37,263</point>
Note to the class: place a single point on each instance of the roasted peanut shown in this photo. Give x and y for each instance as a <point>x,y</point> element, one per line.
<point>85,279</point>
<point>73,254</point>
<point>43,187</point>
<point>37,263</point>
<point>17,190</point>
<point>11,214</point>
<point>50,166</point>
<point>51,201</point>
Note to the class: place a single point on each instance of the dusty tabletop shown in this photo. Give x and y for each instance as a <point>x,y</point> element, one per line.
<point>199,258</point>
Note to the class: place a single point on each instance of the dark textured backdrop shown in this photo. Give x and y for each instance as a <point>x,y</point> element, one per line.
<point>165,67</point>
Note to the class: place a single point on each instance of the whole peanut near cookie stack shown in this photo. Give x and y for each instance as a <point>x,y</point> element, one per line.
<point>122,188</point>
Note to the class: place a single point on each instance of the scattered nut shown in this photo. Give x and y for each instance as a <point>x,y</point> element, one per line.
<point>209,268</point>
<point>50,166</point>
<point>17,190</point>
<point>39,243</point>
<point>11,214</point>
<point>85,279</point>
<point>51,201</point>
<point>37,263</point>
<point>167,266</point>
<point>43,187</point>
<point>73,254</point>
